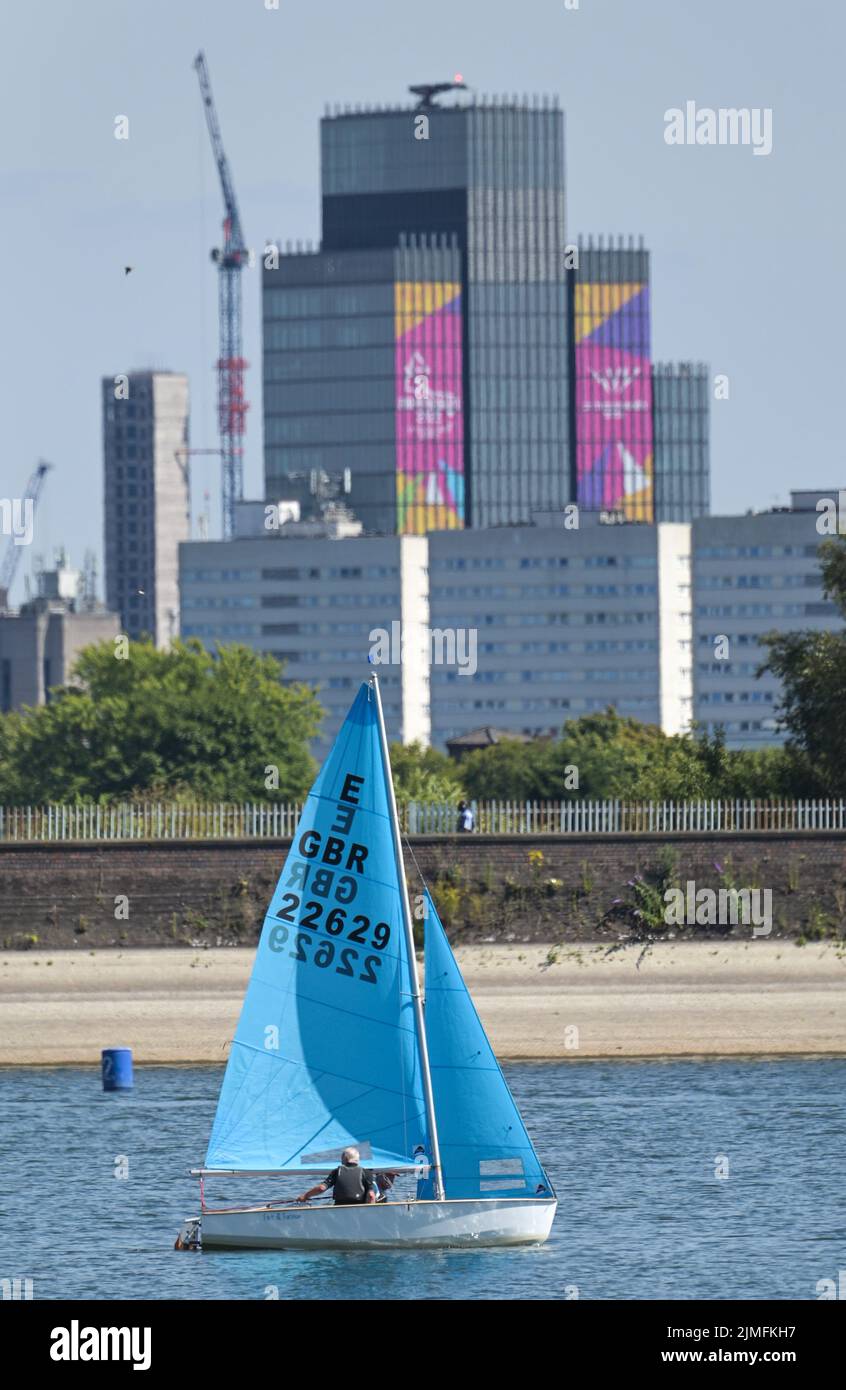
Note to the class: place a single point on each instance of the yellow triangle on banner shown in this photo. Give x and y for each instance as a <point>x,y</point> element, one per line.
<point>638,506</point>
<point>414,300</point>
<point>426,518</point>
<point>594,303</point>
<point>636,503</point>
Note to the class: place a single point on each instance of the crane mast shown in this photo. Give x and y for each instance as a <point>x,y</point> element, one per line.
<point>232,404</point>
<point>9,567</point>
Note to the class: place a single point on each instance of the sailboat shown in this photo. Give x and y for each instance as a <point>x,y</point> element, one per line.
<point>335,1049</point>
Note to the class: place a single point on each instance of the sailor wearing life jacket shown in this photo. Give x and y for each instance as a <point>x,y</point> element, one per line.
<point>350,1183</point>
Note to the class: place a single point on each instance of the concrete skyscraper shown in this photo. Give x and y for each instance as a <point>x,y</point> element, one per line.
<point>146,499</point>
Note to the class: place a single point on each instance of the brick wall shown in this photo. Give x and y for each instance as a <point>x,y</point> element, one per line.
<point>487,887</point>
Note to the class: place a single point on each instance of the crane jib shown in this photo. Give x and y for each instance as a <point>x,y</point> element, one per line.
<point>232,402</point>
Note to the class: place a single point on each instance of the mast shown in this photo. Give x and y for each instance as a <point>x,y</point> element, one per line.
<point>428,1096</point>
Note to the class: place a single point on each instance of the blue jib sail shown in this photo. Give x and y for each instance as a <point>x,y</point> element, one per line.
<point>326,1053</point>
<point>485,1150</point>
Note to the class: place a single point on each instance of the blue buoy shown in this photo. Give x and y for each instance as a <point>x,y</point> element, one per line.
<point>117,1068</point>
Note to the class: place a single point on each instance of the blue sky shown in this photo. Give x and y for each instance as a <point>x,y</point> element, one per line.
<point>747,260</point>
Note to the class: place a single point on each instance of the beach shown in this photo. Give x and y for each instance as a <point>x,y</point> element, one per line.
<point>568,1002</point>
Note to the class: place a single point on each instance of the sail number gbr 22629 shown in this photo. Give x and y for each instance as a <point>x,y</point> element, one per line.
<point>347,959</point>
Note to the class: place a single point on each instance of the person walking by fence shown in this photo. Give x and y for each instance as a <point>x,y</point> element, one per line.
<point>466,819</point>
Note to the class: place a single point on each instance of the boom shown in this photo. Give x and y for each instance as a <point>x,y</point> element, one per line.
<point>235,235</point>
<point>232,404</point>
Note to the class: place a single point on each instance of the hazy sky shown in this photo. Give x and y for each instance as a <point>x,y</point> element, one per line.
<point>747,258</point>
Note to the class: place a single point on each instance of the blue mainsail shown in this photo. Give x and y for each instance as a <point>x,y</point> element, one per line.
<point>485,1150</point>
<point>326,1052</point>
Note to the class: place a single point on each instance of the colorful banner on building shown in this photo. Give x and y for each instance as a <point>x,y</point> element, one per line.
<point>614,444</point>
<point>429,424</point>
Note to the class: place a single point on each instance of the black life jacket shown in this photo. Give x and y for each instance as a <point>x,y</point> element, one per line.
<point>349,1184</point>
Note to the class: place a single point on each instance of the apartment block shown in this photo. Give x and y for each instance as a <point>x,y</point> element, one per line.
<point>312,599</point>
<point>751,575</point>
<point>567,622</point>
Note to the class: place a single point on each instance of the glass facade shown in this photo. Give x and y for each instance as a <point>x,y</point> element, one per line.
<point>681,397</point>
<point>518,416</point>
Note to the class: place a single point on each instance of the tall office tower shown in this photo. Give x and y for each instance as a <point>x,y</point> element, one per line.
<point>612,441</point>
<point>146,499</point>
<point>446,366</point>
<point>363,371</point>
<point>681,402</point>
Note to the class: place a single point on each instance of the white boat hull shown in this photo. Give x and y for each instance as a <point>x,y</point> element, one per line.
<point>383,1225</point>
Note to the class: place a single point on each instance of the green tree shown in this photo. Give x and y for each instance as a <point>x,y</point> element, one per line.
<point>812,669</point>
<point>171,722</point>
<point>507,771</point>
<point>616,756</point>
<point>423,774</point>
<point>700,765</point>
<point>599,755</point>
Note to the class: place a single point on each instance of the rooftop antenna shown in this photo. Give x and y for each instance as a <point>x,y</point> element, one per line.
<point>427,91</point>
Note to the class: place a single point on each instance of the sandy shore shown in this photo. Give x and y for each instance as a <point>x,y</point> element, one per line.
<point>686,999</point>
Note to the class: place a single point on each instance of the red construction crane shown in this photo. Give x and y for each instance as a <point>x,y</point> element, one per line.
<point>232,404</point>
<point>9,567</point>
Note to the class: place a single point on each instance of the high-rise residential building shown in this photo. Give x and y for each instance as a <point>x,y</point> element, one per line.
<point>567,623</point>
<point>612,445</point>
<point>425,345</point>
<point>516,627</point>
<point>146,499</point>
<point>682,473</point>
<point>752,575</point>
<point>312,598</point>
<point>523,627</point>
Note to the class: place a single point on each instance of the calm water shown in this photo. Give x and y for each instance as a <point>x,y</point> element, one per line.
<point>631,1148</point>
